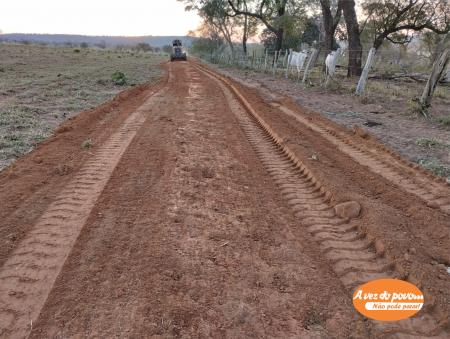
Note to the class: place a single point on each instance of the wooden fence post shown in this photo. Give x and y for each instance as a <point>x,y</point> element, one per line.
<point>439,67</point>
<point>365,73</point>
<point>312,58</point>
<point>265,61</point>
<point>275,61</point>
<point>288,62</point>
<point>286,55</point>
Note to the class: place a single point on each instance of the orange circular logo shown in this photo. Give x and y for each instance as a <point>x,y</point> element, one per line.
<point>388,299</point>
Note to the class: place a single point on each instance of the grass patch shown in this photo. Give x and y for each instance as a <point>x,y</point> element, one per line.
<point>435,168</point>
<point>444,121</point>
<point>87,144</point>
<point>428,142</point>
<point>118,78</point>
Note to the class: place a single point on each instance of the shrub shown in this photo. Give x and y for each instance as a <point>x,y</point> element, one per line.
<point>444,121</point>
<point>118,78</point>
<point>76,50</point>
<point>425,142</point>
<point>435,168</point>
<point>87,144</point>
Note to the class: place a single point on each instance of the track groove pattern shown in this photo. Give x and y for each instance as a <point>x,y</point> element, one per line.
<point>30,272</point>
<point>352,256</point>
<point>386,163</point>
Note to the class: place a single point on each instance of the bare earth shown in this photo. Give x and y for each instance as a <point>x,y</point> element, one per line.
<point>385,103</point>
<point>187,219</point>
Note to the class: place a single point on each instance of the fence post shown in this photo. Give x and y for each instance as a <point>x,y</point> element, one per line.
<point>265,62</point>
<point>309,64</point>
<point>365,73</point>
<point>286,55</point>
<point>288,62</point>
<point>275,61</point>
<point>253,59</point>
<point>436,74</point>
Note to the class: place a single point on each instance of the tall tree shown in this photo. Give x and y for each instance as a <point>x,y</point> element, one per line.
<point>215,16</point>
<point>397,20</point>
<point>353,34</point>
<point>270,12</point>
<point>330,21</point>
<point>249,27</point>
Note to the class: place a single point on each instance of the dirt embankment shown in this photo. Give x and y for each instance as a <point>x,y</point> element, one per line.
<point>28,186</point>
<point>385,112</point>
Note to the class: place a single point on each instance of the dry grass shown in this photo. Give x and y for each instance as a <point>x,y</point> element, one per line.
<point>40,86</point>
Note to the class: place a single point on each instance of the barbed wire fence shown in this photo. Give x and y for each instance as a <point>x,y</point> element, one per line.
<point>386,64</point>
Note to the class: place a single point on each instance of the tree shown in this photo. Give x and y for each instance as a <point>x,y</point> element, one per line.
<point>435,44</point>
<point>210,43</point>
<point>397,20</point>
<point>353,34</point>
<point>270,12</point>
<point>311,33</point>
<point>215,15</point>
<point>214,12</point>
<point>330,21</point>
<point>250,26</point>
<point>144,47</point>
<point>167,49</point>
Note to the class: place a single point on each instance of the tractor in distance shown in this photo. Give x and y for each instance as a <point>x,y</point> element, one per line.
<point>178,53</point>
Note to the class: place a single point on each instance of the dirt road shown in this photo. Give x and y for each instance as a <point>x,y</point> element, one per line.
<point>204,209</point>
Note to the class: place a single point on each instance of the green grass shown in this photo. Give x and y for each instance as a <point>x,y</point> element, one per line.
<point>444,121</point>
<point>435,167</point>
<point>87,144</point>
<point>428,142</point>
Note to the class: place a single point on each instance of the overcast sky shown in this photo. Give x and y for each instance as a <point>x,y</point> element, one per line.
<point>97,17</point>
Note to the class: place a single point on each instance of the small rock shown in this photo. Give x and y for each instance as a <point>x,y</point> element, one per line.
<point>359,132</point>
<point>348,210</point>
<point>371,123</point>
<point>208,173</point>
<point>412,250</point>
<point>407,257</point>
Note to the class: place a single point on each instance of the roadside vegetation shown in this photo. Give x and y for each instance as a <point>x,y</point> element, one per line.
<point>41,86</point>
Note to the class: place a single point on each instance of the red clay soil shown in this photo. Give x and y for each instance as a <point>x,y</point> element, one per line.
<point>414,236</point>
<point>28,186</point>
<point>192,238</point>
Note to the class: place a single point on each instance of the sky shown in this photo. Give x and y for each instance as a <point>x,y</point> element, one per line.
<point>97,17</point>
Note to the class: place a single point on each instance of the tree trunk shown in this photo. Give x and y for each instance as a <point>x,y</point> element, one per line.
<point>328,25</point>
<point>245,34</point>
<point>354,42</point>
<point>365,73</point>
<point>310,64</point>
<point>436,74</point>
<point>281,10</point>
<point>279,39</point>
<point>439,48</point>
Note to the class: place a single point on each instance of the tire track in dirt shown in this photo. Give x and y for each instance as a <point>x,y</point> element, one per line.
<point>384,162</point>
<point>27,277</point>
<point>355,258</point>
